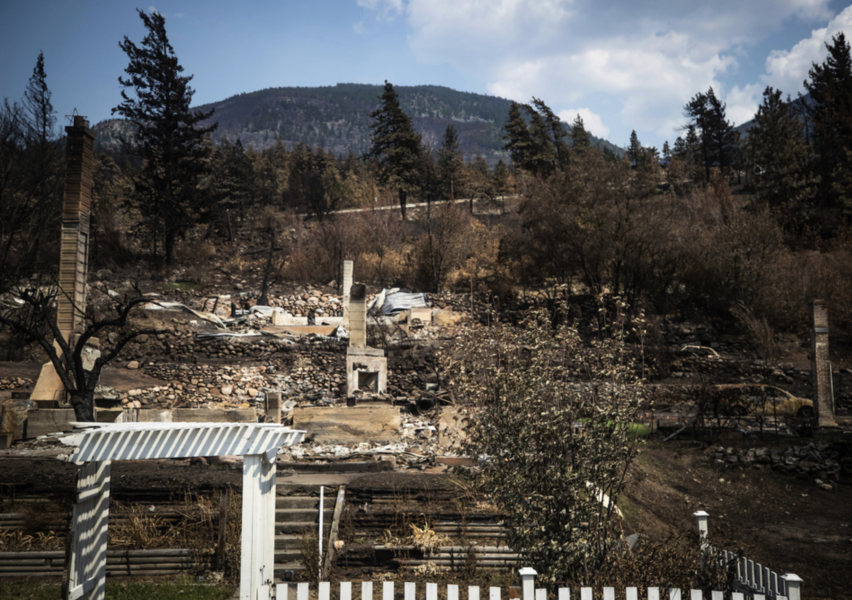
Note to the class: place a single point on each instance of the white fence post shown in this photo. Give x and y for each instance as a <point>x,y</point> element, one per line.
<point>794,586</point>
<point>703,527</point>
<point>527,582</point>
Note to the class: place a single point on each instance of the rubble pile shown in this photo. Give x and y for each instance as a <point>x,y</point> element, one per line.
<point>417,449</point>
<point>819,460</point>
<point>14,383</point>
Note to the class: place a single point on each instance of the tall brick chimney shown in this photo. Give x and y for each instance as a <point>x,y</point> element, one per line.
<point>820,366</point>
<point>76,210</point>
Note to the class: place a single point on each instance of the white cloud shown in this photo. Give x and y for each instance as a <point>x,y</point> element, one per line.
<point>787,69</point>
<point>386,10</point>
<point>153,10</point>
<point>358,27</point>
<point>742,102</point>
<point>591,121</point>
<point>636,63</point>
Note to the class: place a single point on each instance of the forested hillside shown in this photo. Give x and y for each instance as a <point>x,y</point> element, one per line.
<point>337,118</point>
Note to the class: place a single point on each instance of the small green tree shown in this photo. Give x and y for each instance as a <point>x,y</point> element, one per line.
<point>553,452</point>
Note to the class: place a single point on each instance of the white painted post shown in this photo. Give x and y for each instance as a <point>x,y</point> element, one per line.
<point>257,554</point>
<point>565,594</point>
<point>282,590</point>
<point>473,592</point>
<point>653,593</point>
<point>794,586</point>
<point>324,591</point>
<point>541,594</point>
<point>366,590</point>
<point>387,590</point>
<point>609,593</point>
<point>345,590</point>
<point>431,591</point>
<point>703,527</point>
<point>737,596</point>
<point>527,582</point>
<point>586,593</point>
<point>87,568</point>
<point>319,536</point>
<point>631,593</point>
<point>717,596</point>
<point>674,594</point>
<point>494,593</point>
<point>302,590</point>
<point>696,595</point>
<point>452,592</point>
<point>410,590</point>
<point>759,597</point>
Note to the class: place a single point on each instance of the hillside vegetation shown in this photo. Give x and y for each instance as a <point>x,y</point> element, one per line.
<point>337,119</point>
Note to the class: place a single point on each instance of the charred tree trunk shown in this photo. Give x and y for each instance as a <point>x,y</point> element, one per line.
<point>403,201</point>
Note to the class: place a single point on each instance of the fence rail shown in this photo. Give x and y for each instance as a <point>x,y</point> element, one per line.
<point>118,562</point>
<point>302,591</point>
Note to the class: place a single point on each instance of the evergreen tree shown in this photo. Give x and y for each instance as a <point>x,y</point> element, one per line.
<point>716,134</point>
<point>450,163</point>
<point>542,156</point>
<point>634,150</point>
<point>667,151</point>
<point>167,133</point>
<point>829,115</point>
<point>580,141</point>
<point>517,136</point>
<point>396,146</point>
<point>42,117</point>
<point>557,133</point>
<point>780,156</point>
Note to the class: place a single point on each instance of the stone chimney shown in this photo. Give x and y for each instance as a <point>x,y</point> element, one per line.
<point>74,249</point>
<point>358,316</point>
<point>347,285</point>
<point>821,367</point>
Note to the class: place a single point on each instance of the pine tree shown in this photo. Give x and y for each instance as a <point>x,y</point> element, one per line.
<point>718,141</point>
<point>634,150</point>
<point>557,133</point>
<point>829,115</point>
<point>517,136</point>
<point>580,141</point>
<point>450,163</point>
<point>167,133</point>
<point>541,160</point>
<point>395,145</point>
<point>42,117</point>
<point>780,156</point>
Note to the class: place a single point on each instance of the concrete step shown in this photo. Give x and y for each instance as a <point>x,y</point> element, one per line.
<point>285,515</point>
<point>303,502</point>
<point>288,557</point>
<point>299,527</point>
<point>288,541</point>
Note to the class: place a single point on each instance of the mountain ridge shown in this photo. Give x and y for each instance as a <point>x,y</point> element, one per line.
<point>337,118</point>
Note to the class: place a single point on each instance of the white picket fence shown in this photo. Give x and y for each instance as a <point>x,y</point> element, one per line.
<point>284,591</point>
<point>751,577</point>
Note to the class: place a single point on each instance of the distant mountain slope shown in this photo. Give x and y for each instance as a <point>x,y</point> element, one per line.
<point>338,118</point>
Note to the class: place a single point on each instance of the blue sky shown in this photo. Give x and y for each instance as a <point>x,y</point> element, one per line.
<point>621,64</point>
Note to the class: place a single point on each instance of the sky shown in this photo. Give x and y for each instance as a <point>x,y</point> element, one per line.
<point>621,64</point>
